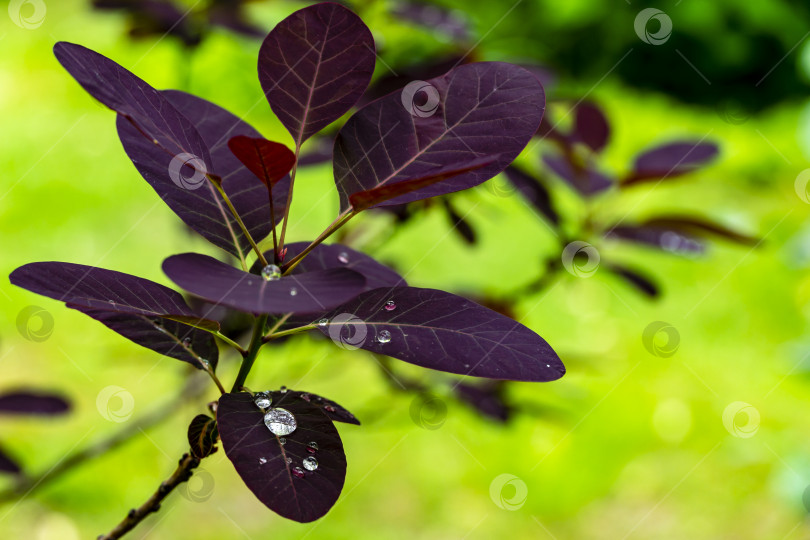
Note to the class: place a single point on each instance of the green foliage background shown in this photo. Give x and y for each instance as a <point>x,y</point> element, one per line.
<point>626,445</point>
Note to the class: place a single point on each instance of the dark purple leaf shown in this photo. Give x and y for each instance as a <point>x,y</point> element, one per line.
<point>138,309</point>
<point>486,398</point>
<point>314,66</point>
<point>260,457</point>
<point>319,150</point>
<point>197,203</point>
<point>591,127</point>
<point>8,465</point>
<point>442,331</point>
<point>459,224</point>
<point>25,402</point>
<point>478,111</point>
<point>671,160</point>
<point>203,435</point>
<point>433,17</point>
<point>533,191</point>
<point>584,178</point>
<point>335,412</point>
<point>363,200</point>
<point>269,161</point>
<point>155,18</point>
<point>422,71</point>
<point>641,283</point>
<point>221,283</point>
<point>700,227</point>
<point>661,237</point>
<point>229,15</point>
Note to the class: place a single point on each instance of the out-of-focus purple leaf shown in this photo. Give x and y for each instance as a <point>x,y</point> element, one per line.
<point>660,237</point>
<point>8,465</point>
<point>670,160</point>
<point>142,311</point>
<point>202,435</point>
<point>442,331</point>
<point>314,66</point>
<point>273,467</point>
<point>228,14</point>
<point>269,161</point>
<point>221,283</point>
<point>700,227</point>
<point>319,150</point>
<point>155,18</point>
<point>473,112</point>
<point>534,192</point>
<point>486,398</point>
<point>591,127</point>
<point>27,402</point>
<point>585,179</point>
<point>433,17</point>
<point>193,198</point>
<point>639,281</point>
<point>459,224</point>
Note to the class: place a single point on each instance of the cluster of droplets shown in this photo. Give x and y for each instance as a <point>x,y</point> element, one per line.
<point>281,422</point>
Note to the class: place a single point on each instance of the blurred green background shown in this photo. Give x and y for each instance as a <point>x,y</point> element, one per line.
<point>626,445</point>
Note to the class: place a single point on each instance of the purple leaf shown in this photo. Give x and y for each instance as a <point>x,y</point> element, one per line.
<point>442,331</point>
<point>138,309</point>
<point>261,458</point>
<point>191,196</point>
<point>8,465</point>
<point>459,224</point>
<point>670,160</point>
<point>584,178</point>
<point>319,150</point>
<point>433,17</point>
<point>421,71</point>
<point>477,111</point>
<point>486,398</point>
<point>314,66</point>
<point>269,161</point>
<point>640,282</point>
<point>25,402</point>
<point>700,227</point>
<point>203,436</point>
<point>591,127</point>
<point>664,238</point>
<point>221,283</point>
<point>533,191</point>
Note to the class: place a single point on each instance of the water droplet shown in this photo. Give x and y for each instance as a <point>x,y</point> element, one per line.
<point>310,463</point>
<point>187,342</point>
<point>390,305</point>
<point>312,447</point>
<point>280,421</point>
<point>262,400</point>
<point>306,397</point>
<point>298,472</point>
<point>323,322</point>
<point>283,389</point>
<point>282,441</point>
<point>293,291</point>
<point>112,302</point>
<point>466,366</point>
<point>271,272</point>
<point>343,257</point>
<point>289,460</point>
<point>262,461</point>
<point>548,365</point>
<point>329,408</point>
<point>384,336</point>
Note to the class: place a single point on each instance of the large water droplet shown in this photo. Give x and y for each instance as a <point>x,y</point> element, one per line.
<point>293,291</point>
<point>262,461</point>
<point>298,472</point>
<point>283,389</point>
<point>390,305</point>
<point>280,421</point>
<point>384,336</point>
<point>323,322</point>
<point>343,257</point>
<point>312,447</point>
<point>271,272</point>
<point>310,463</point>
<point>262,400</point>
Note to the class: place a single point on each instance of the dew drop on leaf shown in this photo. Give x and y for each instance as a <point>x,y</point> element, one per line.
<point>262,400</point>
<point>312,447</point>
<point>329,408</point>
<point>271,272</point>
<point>280,421</point>
<point>384,336</point>
<point>306,397</point>
<point>298,472</point>
<point>289,460</point>
<point>282,440</point>
<point>293,291</point>
<point>390,305</point>
<point>283,389</point>
<point>323,322</point>
<point>262,461</point>
<point>343,257</point>
<point>310,463</point>
<point>187,342</point>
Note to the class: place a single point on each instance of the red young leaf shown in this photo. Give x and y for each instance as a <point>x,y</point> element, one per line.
<point>269,161</point>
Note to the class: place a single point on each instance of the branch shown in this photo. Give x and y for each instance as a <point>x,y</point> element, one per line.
<point>182,473</point>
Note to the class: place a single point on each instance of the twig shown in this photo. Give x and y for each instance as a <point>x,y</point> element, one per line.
<point>182,473</point>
